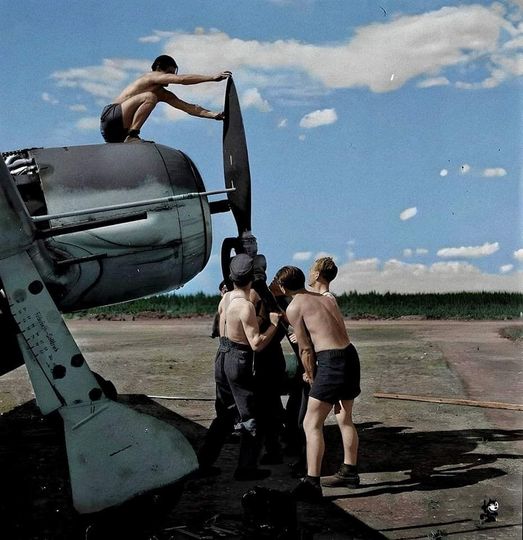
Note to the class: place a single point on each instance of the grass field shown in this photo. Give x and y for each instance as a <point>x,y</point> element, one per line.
<point>459,306</point>
<point>514,333</point>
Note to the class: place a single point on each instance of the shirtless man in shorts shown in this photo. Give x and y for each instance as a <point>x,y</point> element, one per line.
<point>332,368</point>
<point>321,273</point>
<point>240,336</point>
<point>122,120</point>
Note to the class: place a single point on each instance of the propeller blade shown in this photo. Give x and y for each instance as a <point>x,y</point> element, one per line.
<point>236,160</point>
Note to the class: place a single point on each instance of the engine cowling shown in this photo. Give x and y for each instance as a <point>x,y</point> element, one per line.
<point>160,251</point>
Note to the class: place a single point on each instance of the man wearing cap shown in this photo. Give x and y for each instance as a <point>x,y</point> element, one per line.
<point>122,120</point>
<point>235,405</point>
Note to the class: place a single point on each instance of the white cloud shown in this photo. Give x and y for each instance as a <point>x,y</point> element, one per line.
<point>408,213</point>
<point>409,47</point>
<point>506,268</point>
<point>408,252</point>
<point>301,137</point>
<point>470,252</point>
<point>305,256</point>
<point>516,43</point>
<point>319,118</point>
<point>103,81</point>
<point>170,114</point>
<point>518,255</point>
<point>489,172</point>
<point>283,123</point>
<point>395,276</point>
<point>157,35</point>
<point>88,123</point>
<point>150,39</point>
<point>436,81</point>
<point>406,46</point>
<point>494,172</point>
<point>302,256</point>
<point>49,98</point>
<point>252,98</point>
<point>78,108</point>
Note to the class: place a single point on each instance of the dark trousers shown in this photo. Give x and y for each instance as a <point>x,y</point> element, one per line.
<point>235,407</point>
<point>269,380</point>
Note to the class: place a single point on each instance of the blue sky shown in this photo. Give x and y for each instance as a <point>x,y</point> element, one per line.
<point>387,134</point>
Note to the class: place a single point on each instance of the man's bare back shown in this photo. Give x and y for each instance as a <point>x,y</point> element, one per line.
<point>238,320</point>
<point>321,318</point>
<point>234,327</point>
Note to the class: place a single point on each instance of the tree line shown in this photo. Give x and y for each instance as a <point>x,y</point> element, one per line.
<point>354,305</point>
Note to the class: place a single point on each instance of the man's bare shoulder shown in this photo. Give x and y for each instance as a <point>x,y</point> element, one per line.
<point>238,304</point>
<point>151,76</point>
<point>224,301</point>
<point>245,306</point>
<point>306,299</point>
<point>293,306</point>
<point>296,307</point>
<point>150,79</point>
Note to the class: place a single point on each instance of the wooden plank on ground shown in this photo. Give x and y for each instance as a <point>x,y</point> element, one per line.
<point>453,401</point>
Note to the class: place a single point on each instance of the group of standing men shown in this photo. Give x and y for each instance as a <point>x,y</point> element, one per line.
<point>245,401</point>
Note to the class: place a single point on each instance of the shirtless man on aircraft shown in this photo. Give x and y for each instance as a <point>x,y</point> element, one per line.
<point>122,120</point>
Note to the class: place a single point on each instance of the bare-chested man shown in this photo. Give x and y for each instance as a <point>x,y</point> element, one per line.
<point>321,273</point>
<point>332,368</point>
<point>239,337</point>
<point>122,120</point>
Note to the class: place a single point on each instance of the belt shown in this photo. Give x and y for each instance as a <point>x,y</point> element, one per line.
<point>226,342</point>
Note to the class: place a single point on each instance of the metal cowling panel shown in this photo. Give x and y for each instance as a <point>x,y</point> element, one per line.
<point>194,214</point>
<point>139,258</point>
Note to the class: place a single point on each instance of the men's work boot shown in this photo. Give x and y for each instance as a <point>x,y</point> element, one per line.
<point>347,476</point>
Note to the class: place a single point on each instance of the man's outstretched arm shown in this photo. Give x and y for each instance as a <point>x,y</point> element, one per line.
<point>189,108</point>
<point>165,79</point>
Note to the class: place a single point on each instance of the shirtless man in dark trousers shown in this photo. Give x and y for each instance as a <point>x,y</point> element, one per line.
<point>332,368</point>
<point>240,337</point>
<point>122,120</point>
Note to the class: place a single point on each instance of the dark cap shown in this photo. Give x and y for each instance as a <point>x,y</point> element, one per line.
<point>241,268</point>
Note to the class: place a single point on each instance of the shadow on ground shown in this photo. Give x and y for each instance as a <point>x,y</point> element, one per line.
<point>430,460</point>
<point>35,499</point>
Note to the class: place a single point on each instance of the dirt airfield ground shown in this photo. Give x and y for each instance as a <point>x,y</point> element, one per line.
<point>426,468</point>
